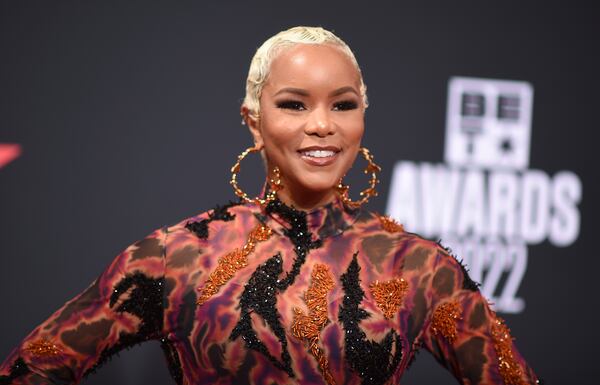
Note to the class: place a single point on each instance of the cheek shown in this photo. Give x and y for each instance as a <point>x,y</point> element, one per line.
<point>353,131</point>
<point>280,143</point>
<point>276,137</point>
<point>284,134</point>
<point>358,134</point>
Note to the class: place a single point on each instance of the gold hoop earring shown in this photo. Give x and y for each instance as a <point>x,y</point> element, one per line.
<point>274,182</point>
<point>370,191</point>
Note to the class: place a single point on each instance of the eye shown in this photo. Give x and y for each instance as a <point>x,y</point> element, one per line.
<point>345,105</point>
<point>291,105</point>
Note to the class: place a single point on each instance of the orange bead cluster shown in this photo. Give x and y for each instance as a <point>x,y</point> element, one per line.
<point>444,320</point>
<point>43,348</point>
<point>233,261</point>
<point>510,370</point>
<point>309,326</point>
<point>389,224</point>
<point>389,295</point>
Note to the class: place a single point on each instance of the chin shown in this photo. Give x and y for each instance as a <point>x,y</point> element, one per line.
<point>319,185</point>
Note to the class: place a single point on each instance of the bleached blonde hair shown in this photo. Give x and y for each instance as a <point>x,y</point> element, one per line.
<point>268,51</point>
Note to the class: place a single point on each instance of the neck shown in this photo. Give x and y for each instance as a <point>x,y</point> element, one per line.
<point>305,200</point>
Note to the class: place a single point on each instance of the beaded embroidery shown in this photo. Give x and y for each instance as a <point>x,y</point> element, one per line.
<point>509,369</point>
<point>260,297</point>
<point>373,361</point>
<point>389,224</point>
<point>444,320</point>
<point>219,213</point>
<point>18,369</point>
<point>309,326</point>
<point>43,348</point>
<point>229,264</point>
<point>145,301</point>
<point>260,293</point>
<point>468,283</point>
<point>389,295</point>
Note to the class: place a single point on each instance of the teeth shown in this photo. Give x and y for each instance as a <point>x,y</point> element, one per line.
<point>319,153</point>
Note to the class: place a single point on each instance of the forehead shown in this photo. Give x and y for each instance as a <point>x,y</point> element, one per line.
<point>312,65</point>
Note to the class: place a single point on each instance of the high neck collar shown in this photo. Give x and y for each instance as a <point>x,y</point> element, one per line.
<point>324,221</point>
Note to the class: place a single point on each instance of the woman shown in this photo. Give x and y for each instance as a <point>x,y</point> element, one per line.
<point>301,285</point>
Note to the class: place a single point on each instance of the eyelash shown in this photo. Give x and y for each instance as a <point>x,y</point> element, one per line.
<point>345,105</point>
<point>291,105</point>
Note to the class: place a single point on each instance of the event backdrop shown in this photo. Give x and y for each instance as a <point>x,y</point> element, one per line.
<point>119,117</point>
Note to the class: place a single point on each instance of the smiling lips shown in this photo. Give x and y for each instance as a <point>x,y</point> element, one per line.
<point>319,156</point>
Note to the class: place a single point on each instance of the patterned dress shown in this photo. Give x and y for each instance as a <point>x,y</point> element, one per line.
<point>244,294</point>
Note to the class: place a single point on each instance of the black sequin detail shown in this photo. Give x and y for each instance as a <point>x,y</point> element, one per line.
<point>260,293</point>
<point>18,368</point>
<point>468,283</point>
<point>259,296</point>
<point>219,213</point>
<point>298,234</point>
<point>173,362</point>
<point>145,301</point>
<point>200,228</point>
<point>373,361</point>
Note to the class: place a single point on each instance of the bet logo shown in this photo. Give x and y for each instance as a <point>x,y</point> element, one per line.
<point>488,123</point>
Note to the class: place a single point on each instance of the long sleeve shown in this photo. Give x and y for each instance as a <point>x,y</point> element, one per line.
<point>122,307</point>
<point>465,335</point>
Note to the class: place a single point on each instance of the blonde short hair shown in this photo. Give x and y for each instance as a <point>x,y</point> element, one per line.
<point>266,53</point>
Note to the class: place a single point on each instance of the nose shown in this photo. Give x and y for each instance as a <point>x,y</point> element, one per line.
<point>320,123</point>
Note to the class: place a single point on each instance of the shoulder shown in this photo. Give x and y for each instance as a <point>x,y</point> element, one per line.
<point>211,230</point>
<point>372,222</point>
<point>412,250</point>
<point>192,242</point>
<point>201,224</point>
<point>430,257</point>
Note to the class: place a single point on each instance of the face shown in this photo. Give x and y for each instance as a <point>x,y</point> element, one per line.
<point>311,118</point>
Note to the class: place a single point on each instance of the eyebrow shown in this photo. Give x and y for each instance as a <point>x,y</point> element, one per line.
<point>343,90</point>
<point>303,92</point>
<point>291,90</point>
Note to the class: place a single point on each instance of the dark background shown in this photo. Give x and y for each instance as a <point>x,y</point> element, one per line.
<point>128,116</point>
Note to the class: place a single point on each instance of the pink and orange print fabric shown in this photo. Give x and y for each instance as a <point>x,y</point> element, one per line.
<point>243,294</point>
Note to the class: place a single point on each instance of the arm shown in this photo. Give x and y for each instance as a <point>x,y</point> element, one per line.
<point>465,335</point>
<point>122,307</point>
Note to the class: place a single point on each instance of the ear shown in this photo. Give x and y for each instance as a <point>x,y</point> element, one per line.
<point>252,121</point>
